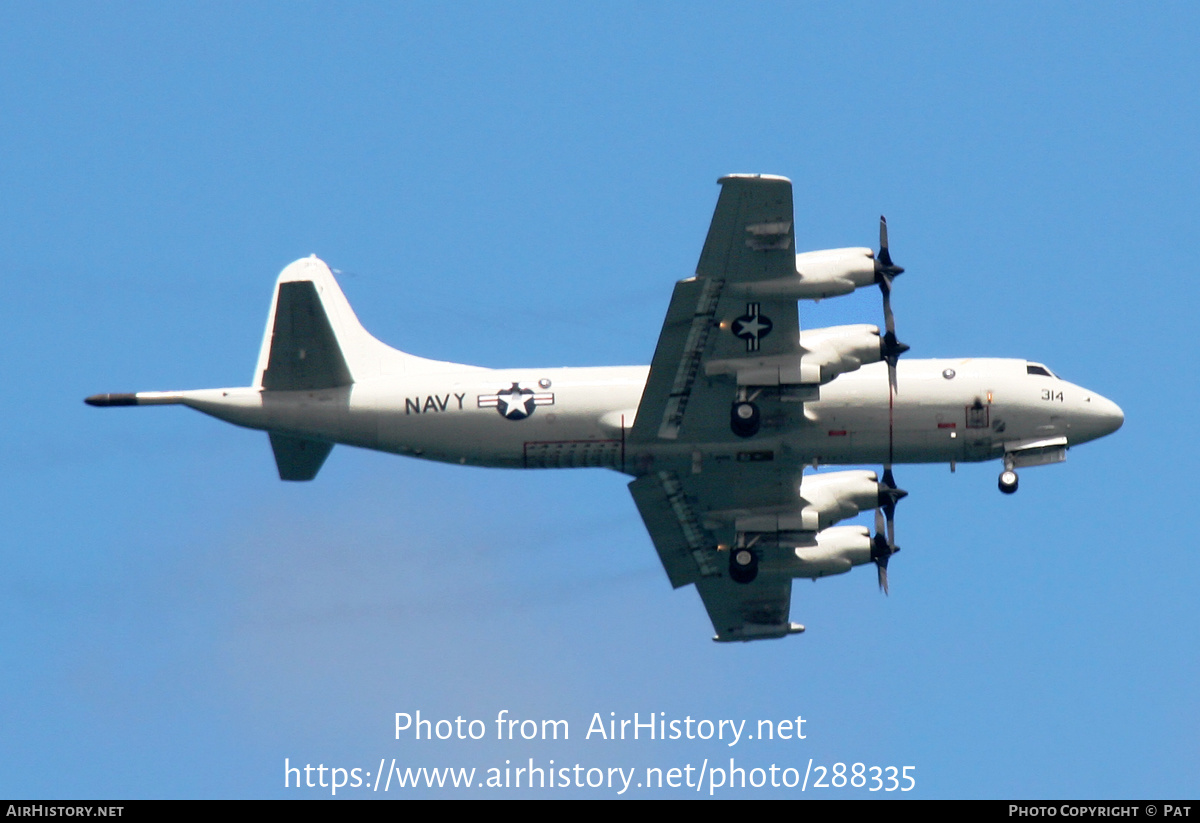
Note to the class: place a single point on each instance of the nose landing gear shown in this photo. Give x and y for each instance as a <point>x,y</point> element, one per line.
<point>1008,477</point>
<point>1008,481</point>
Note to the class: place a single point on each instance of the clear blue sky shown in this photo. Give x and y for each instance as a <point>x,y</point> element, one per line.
<point>522,184</point>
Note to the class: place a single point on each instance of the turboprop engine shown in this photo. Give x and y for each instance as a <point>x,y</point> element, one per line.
<point>831,272</point>
<point>827,498</point>
<point>834,551</point>
<point>821,274</point>
<point>836,350</point>
<point>817,547</point>
<point>826,354</point>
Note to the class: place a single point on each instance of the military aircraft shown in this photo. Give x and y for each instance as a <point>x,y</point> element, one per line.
<point>717,433</point>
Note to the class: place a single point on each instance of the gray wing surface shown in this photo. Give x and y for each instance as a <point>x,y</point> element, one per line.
<point>713,324</point>
<point>690,552</point>
<point>751,611</point>
<point>701,477</point>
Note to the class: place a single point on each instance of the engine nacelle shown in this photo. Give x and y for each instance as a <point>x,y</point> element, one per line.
<point>820,274</point>
<point>831,272</point>
<point>826,354</point>
<point>832,551</point>
<point>835,551</point>
<point>834,496</point>
<point>837,350</point>
<point>828,498</point>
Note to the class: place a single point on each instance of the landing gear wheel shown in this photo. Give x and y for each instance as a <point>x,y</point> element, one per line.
<point>745,419</point>
<point>1008,481</point>
<point>743,565</point>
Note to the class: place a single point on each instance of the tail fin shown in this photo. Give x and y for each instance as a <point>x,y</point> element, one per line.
<point>312,338</point>
<point>314,341</point>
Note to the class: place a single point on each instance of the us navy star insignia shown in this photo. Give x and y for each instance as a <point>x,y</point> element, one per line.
<point>516,403</point>
<point>752,326</point>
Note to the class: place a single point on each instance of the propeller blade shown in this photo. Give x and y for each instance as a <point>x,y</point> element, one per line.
<point>889,495</point>
<point>883,261</point>
<point>889,319</point>
<point>881,552</point>
<point>890,347</point>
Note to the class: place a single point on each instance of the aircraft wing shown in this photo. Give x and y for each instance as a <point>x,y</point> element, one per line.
<point>678,510</point>
<point>720,332</point>
<point>717,323</point>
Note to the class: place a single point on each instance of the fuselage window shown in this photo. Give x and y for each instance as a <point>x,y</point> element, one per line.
<point>1034,368</point>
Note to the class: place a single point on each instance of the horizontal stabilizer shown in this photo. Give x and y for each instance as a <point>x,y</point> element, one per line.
<point>297,458</point>
<point>304,350</point>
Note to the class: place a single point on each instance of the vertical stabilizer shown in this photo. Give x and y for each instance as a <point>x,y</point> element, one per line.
<point>314,340</point>
<point>304,351</point>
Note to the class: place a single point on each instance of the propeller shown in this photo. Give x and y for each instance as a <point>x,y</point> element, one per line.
<point>890,349</point>
<point>882,548</point>
<point>889,495</point>
<point>885,271</point>
<point>881,552</point>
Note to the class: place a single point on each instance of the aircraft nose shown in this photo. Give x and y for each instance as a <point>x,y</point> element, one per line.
<point>1106,415</point>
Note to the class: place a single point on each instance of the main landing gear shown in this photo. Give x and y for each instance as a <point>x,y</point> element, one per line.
<point>1008,477</point>
<point>745,418</point>
<point>743,565</point>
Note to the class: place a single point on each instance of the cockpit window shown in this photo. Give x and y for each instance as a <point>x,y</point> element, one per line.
<point>1038,368</point>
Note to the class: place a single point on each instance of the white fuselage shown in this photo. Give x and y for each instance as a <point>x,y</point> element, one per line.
<point>726,429</point>
<point>944,410</point>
